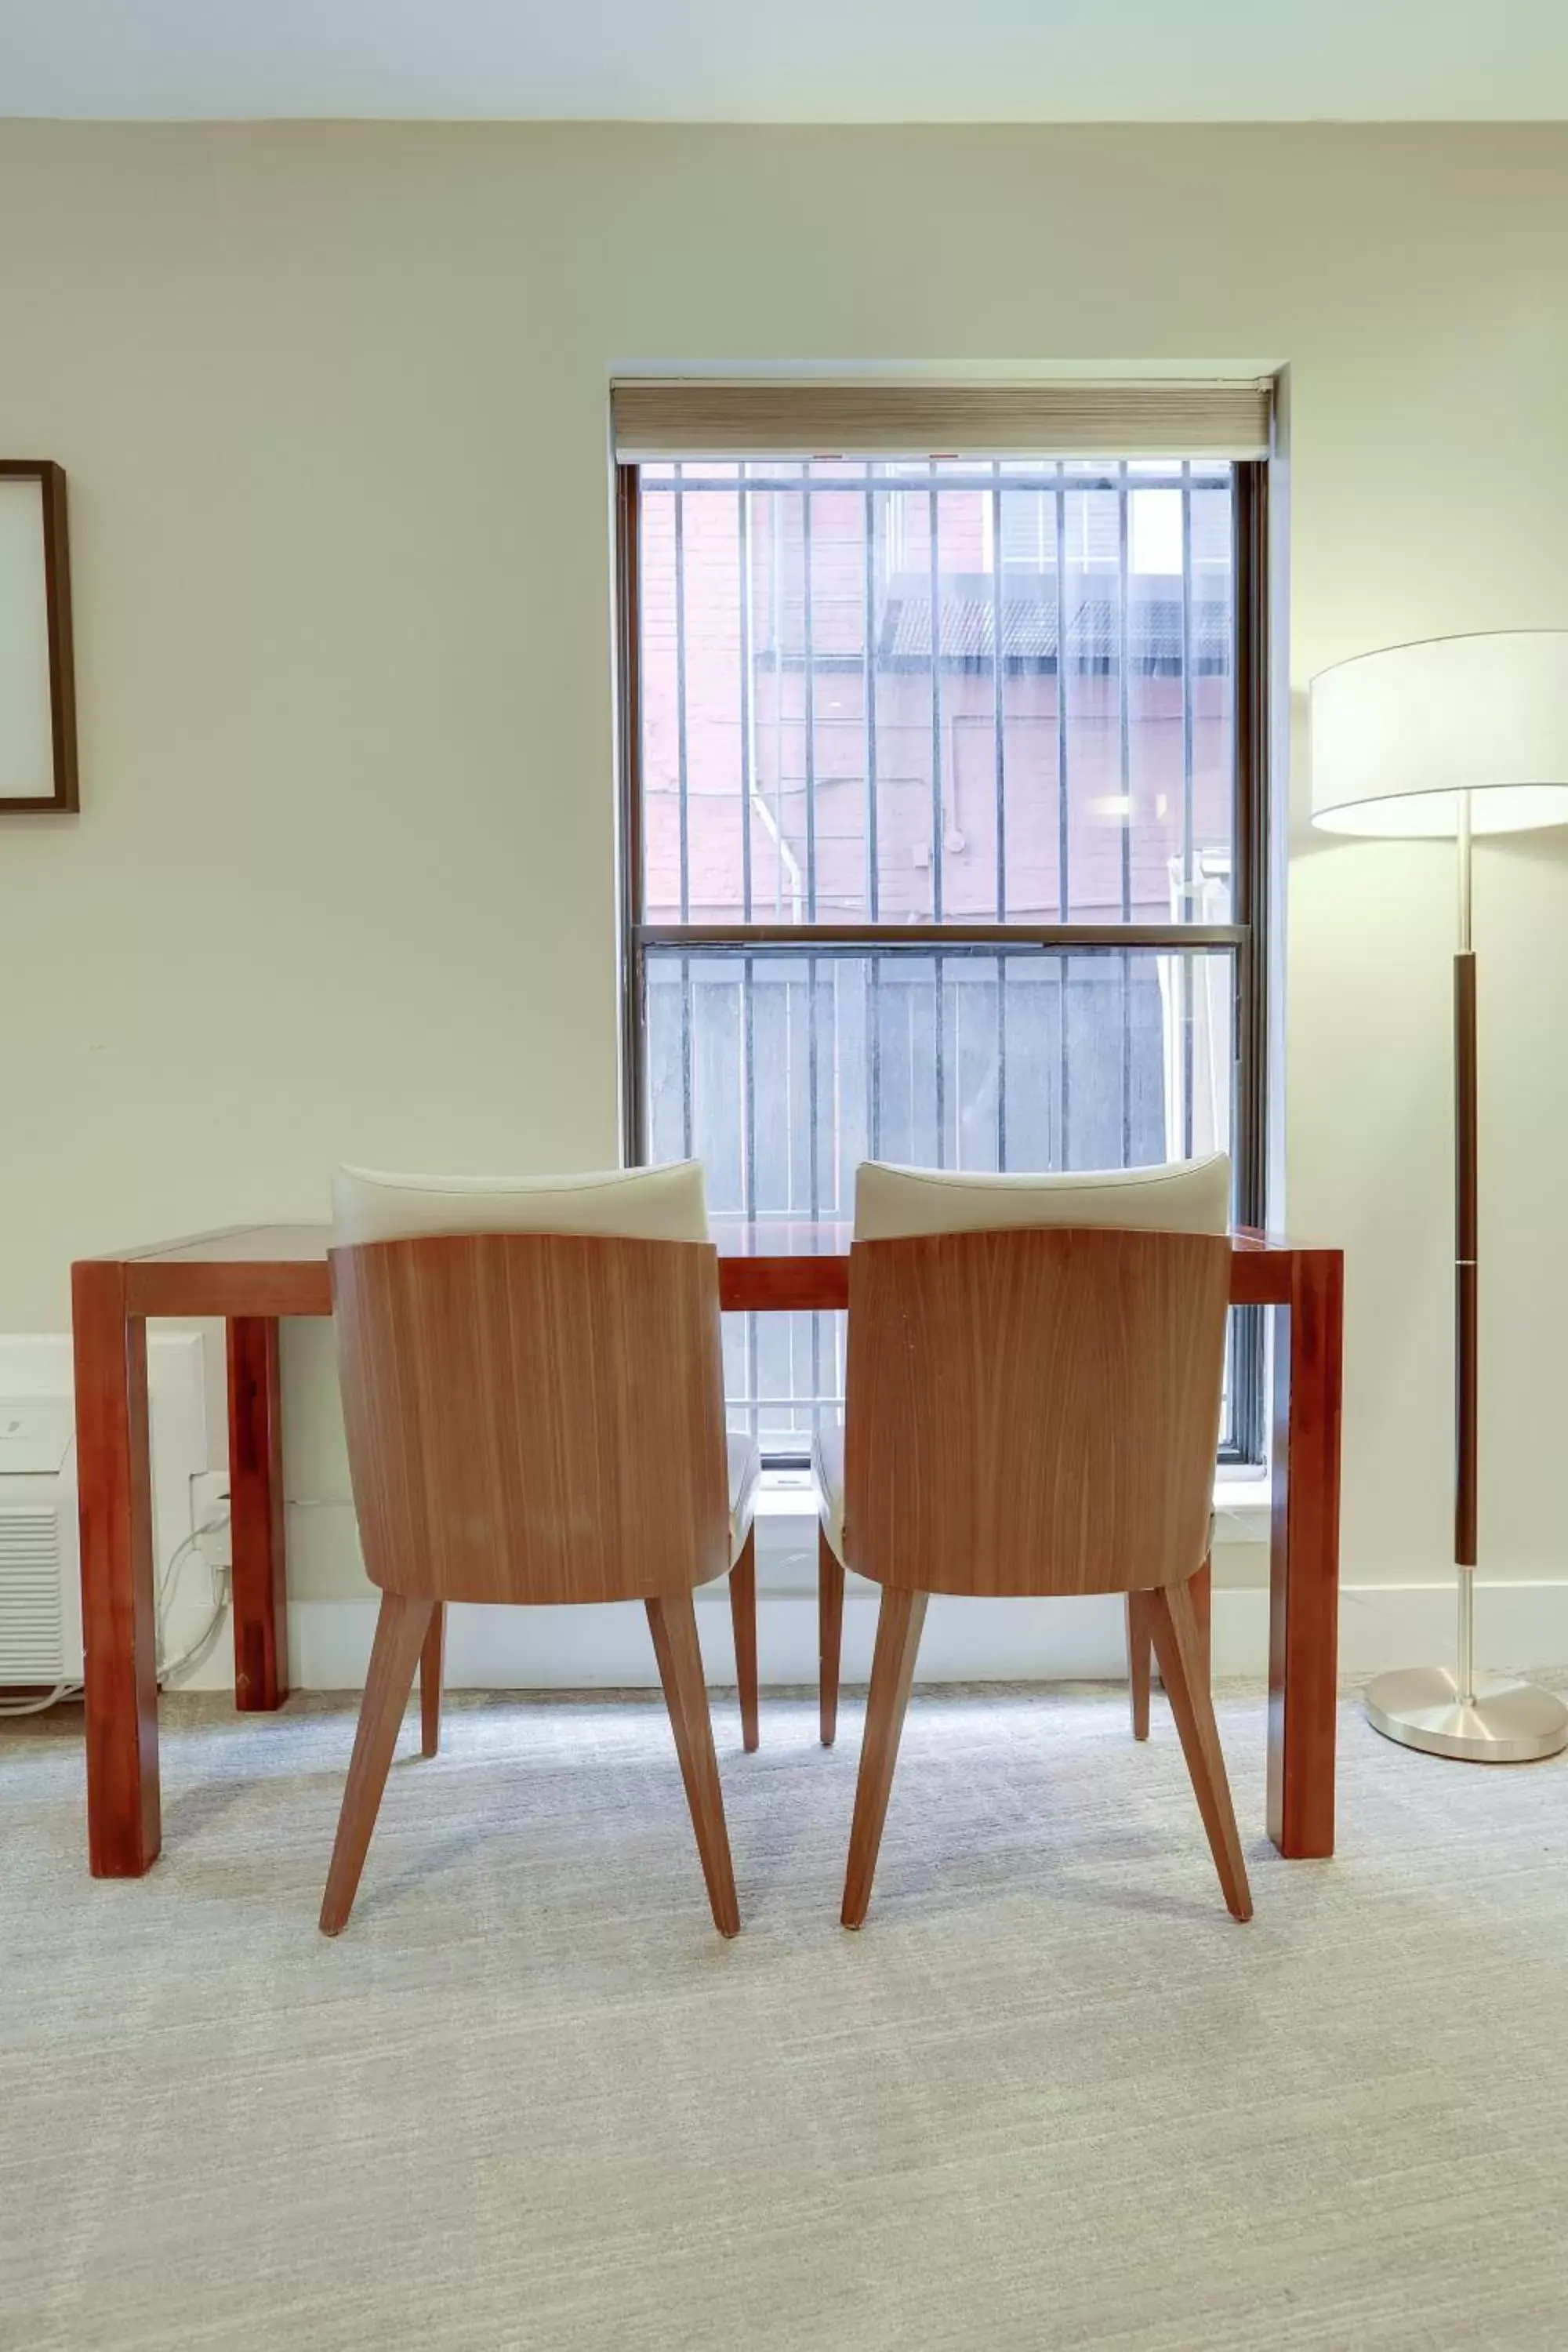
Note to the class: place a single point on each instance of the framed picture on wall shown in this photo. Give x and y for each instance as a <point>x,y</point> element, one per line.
<point>38,690</point>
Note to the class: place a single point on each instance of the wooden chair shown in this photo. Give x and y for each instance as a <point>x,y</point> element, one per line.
<point>1032,1408</point>
<point>533,1392</point>
<point>1184,1197</point>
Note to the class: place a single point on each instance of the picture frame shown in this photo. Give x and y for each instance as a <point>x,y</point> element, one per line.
<point>38,682</point>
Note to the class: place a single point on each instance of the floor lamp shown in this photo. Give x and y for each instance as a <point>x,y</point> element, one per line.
<point>1454,737</point>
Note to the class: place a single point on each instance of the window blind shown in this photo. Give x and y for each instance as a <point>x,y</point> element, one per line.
<point>684,417</point>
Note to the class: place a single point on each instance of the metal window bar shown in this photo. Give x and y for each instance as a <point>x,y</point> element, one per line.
<point>999,730</point>
<point>938,818</point>
<point>683,792</point>
<point>809,728</point>
<point>1124,772</point>
<point>688,1035</point>
<point>869,703</point>
<point>748,776</point>
<point>1189,870</point>
<point>747,1023</point>
<point>749,1161</point>
<point>1063,828</point>
<point>874,1064</point>
<point>944,1157</point>
<point>873,854</point>
<point>936,811</point>
<point>814,1192</point>
<point>683,781</point>
<point>998,694</point>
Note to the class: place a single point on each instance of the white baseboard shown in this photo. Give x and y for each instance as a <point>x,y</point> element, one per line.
<point>1521,1627</point>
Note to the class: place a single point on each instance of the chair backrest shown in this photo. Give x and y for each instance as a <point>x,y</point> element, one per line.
<point>532,1385</point>
<point>1034,1392</point>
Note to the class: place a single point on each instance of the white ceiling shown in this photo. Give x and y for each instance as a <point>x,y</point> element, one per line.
<point>789,60</point>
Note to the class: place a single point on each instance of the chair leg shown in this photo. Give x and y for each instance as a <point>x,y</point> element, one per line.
<point>830,1633</point>
<point>1174,1623</point>
<point>430,1662</point>
<point>672,1621</point>
<point>1201,1589</point>
<point>400,1631</point>
<point>1141,1647</point>
<point>898,1624</point>
<point>744,1617</point>
<point>1140,1661</point>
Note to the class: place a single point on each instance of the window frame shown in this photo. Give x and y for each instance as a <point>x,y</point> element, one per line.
<point>1245,936</point>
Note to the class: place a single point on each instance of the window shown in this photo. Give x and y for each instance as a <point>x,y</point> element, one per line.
<point>942,815</point>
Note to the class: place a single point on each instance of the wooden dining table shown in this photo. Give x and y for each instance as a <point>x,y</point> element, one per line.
<point>256,1277</point>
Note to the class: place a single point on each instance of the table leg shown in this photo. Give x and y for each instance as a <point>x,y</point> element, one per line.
<point>1304,1558</point>
<point>255,1515</point>
<point>119,1609</point>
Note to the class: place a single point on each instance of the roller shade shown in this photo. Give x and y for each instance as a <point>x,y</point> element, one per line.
<point>680,417</point>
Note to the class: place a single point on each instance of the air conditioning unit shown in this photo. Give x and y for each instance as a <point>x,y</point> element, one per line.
<point>40,1580</point>
<point>40,1590</point>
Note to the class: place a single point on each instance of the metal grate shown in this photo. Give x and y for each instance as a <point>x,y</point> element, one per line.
<point>32,1625</point>
<point>964,911</point>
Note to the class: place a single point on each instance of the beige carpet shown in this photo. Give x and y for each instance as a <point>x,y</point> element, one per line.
<point>1051,2096</point>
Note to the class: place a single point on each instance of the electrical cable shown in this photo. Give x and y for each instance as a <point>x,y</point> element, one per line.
<point>38,1706</point>
<point>169,1667</point>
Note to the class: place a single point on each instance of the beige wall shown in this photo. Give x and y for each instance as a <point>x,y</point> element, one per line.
<point>332,402</point>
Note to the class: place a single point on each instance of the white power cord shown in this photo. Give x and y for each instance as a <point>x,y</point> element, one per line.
<point>38,1706</point>
<point>193,1655</point>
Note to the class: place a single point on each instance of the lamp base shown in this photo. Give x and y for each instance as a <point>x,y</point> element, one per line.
<point>1506,1722</point>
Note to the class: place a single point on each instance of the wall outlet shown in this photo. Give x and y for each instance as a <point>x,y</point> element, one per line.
<point>209,1504</point>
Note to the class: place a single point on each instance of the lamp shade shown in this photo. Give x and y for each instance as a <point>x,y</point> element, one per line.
<point>1397,736</point>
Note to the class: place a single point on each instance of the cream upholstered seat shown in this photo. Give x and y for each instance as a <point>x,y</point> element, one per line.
<point>533,1392</point>
<point>745,1476</point>
<point>828,1469</point>
<point>1189,1196</point>
<point>1032,1405</point>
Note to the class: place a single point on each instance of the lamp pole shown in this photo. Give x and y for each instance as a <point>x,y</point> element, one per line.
<point>1466,1237</point>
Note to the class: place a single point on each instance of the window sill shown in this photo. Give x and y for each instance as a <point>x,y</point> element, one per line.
<point>1240,1502</point>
